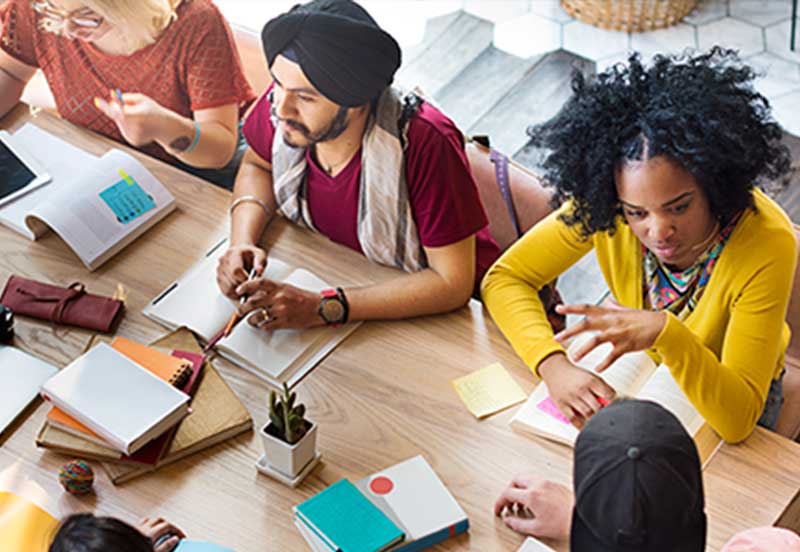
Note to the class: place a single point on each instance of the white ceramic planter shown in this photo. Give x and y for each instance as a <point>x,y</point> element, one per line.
<point>290,459</point>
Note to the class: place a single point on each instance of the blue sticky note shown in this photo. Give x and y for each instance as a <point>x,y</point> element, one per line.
<point>127,199</point>
<point>199,546</point>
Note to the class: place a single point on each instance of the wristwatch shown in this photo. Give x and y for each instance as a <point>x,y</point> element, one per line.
<point>333,307</point>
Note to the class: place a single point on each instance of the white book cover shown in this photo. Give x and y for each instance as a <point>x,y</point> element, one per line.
<point>96,205</point>
<point>26,373</point>
<point>196,302</point>
<point>534,545</point>
<point>415,499</point>
<point>119,400</point>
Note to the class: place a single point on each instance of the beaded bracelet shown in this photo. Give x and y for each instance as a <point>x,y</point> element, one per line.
<point>252,199</point>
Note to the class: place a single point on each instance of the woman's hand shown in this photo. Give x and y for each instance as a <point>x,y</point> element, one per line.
<point>576,392</point>
<point>273,305</point>
<point>158,528</point>
<point>234,266</point>
<point>626,329</point>
<point>534,506</point>
<point>139,118</point>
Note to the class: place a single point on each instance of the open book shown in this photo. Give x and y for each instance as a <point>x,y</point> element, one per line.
<point>632,375</point>
<point>97,205</point>
<point>196,302</point>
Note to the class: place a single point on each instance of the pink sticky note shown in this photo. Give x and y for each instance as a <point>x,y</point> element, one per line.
<point>549,407</point>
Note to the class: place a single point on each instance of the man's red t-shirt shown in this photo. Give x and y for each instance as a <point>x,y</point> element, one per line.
<point>192,65</point>
<point>443,195</point>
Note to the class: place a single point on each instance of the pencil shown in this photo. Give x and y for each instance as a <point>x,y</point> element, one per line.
<point>119,95</point>
<point>235,316</point>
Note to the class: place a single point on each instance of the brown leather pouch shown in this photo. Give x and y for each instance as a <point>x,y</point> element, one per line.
<point>71,305</point>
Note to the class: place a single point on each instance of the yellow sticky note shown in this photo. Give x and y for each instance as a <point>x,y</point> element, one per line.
<point>488,390</point>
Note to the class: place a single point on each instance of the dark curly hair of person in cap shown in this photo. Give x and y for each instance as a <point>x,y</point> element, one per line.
<point>699,111</point>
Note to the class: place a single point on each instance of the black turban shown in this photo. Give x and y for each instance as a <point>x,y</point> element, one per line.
<point>341,49</point>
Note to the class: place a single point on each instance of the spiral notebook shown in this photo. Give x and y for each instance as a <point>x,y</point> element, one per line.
<point>194,301</point>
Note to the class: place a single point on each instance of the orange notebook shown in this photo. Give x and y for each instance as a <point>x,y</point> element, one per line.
<point>171,369</point>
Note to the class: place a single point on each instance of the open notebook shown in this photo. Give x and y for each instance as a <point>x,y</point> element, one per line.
<point>632,375</point>
<point>96,205</point>
<point>194,301</point>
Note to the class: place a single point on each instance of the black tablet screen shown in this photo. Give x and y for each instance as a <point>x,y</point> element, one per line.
<point>14,175</point>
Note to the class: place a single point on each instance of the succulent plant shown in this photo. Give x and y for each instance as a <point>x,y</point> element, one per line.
<point>288,419</point>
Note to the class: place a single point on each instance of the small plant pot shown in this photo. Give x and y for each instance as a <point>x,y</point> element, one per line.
<point>289,459</point>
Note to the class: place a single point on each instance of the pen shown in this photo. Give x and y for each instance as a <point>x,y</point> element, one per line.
<point>119,95</point>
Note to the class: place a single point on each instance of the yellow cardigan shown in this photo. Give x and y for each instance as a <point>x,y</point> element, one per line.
<point>726,352</point>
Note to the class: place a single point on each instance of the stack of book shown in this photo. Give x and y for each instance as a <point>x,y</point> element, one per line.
<point>404,508</point>
<point>89,417</point>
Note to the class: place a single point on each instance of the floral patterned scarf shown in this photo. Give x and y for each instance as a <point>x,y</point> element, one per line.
<point>679,291</point>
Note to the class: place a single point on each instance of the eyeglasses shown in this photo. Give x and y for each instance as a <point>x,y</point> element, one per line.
<point>55,17</point>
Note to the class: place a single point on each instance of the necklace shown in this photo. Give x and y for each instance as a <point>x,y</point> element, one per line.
<point>330,168</point>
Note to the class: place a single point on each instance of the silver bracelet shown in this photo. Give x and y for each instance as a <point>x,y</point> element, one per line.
<point>250,199</point>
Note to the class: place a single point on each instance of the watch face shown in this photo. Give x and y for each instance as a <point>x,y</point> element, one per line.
<point>332,310</point>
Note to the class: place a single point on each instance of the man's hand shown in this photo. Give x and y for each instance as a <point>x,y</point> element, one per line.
<point>576,392</point>
<point>138,117</point>
<point>234,266</point>
<point>626,329</point>
<point>155,529</point>
<point>534,506</point>
<point>272,305</point>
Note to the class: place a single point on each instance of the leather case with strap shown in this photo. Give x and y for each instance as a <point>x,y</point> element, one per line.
<point>71,305</point>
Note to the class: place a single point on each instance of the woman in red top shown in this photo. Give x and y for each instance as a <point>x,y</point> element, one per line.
<point>162,75</point>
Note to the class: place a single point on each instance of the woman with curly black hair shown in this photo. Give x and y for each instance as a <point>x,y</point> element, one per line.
<point>657,168</point>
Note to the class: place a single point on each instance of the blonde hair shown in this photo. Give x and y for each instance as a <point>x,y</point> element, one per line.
<point>139,22</point>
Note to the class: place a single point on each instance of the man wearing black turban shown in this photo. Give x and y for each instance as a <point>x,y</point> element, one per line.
<point>337,149</point>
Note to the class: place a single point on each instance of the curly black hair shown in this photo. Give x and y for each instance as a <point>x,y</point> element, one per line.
<point>698,110</point>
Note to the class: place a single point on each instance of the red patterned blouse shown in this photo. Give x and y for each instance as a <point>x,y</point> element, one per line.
<point>193,65</point>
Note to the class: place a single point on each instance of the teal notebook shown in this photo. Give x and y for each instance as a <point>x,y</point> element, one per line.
<point>346,521</point>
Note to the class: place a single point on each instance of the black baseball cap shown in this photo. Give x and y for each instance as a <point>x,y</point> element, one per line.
<point>638,483</point>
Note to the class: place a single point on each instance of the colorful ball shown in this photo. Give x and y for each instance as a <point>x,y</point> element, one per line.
<point>76,477</point>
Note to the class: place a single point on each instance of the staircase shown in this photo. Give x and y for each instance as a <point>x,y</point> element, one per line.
<point>485,90</point>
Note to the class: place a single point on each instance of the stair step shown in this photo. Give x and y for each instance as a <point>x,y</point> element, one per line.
<point>472,93</point>
<point>534,99</point>
<point>450,45</point>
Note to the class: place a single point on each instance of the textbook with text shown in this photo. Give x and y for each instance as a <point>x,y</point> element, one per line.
<point>96,205</point>
<point>632,375</point>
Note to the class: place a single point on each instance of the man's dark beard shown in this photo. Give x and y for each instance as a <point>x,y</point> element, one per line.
<point>336,127</point>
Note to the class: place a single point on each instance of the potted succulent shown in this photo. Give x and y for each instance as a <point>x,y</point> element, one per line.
<point>290,440</point>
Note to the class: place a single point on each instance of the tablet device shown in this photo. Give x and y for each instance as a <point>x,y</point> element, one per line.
<point>19,172</point>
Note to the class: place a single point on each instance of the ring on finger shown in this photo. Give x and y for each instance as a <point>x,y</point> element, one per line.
<point>267,317</point>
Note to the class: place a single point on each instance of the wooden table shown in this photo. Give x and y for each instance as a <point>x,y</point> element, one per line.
<point>381,397</point>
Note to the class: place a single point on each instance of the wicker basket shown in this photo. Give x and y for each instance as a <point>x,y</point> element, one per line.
<point>629,15</point>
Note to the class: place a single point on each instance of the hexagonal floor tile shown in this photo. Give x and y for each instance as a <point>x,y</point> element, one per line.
<point>551,9</point>
<point>528,35</point>
<point>406,21</point>
<point>603,64</point>
<point>777,75</point>
<point>778,41</point>
<point>761,12</point>
<point>671,40</point>
<point>497,11</point>
<point>785,110</point>
<point>593,42</point>
<point>707,11</point>
<point>731,33</point>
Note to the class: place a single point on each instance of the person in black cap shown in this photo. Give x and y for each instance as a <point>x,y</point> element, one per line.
<point>335,148</point>
<point>637,487</point>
